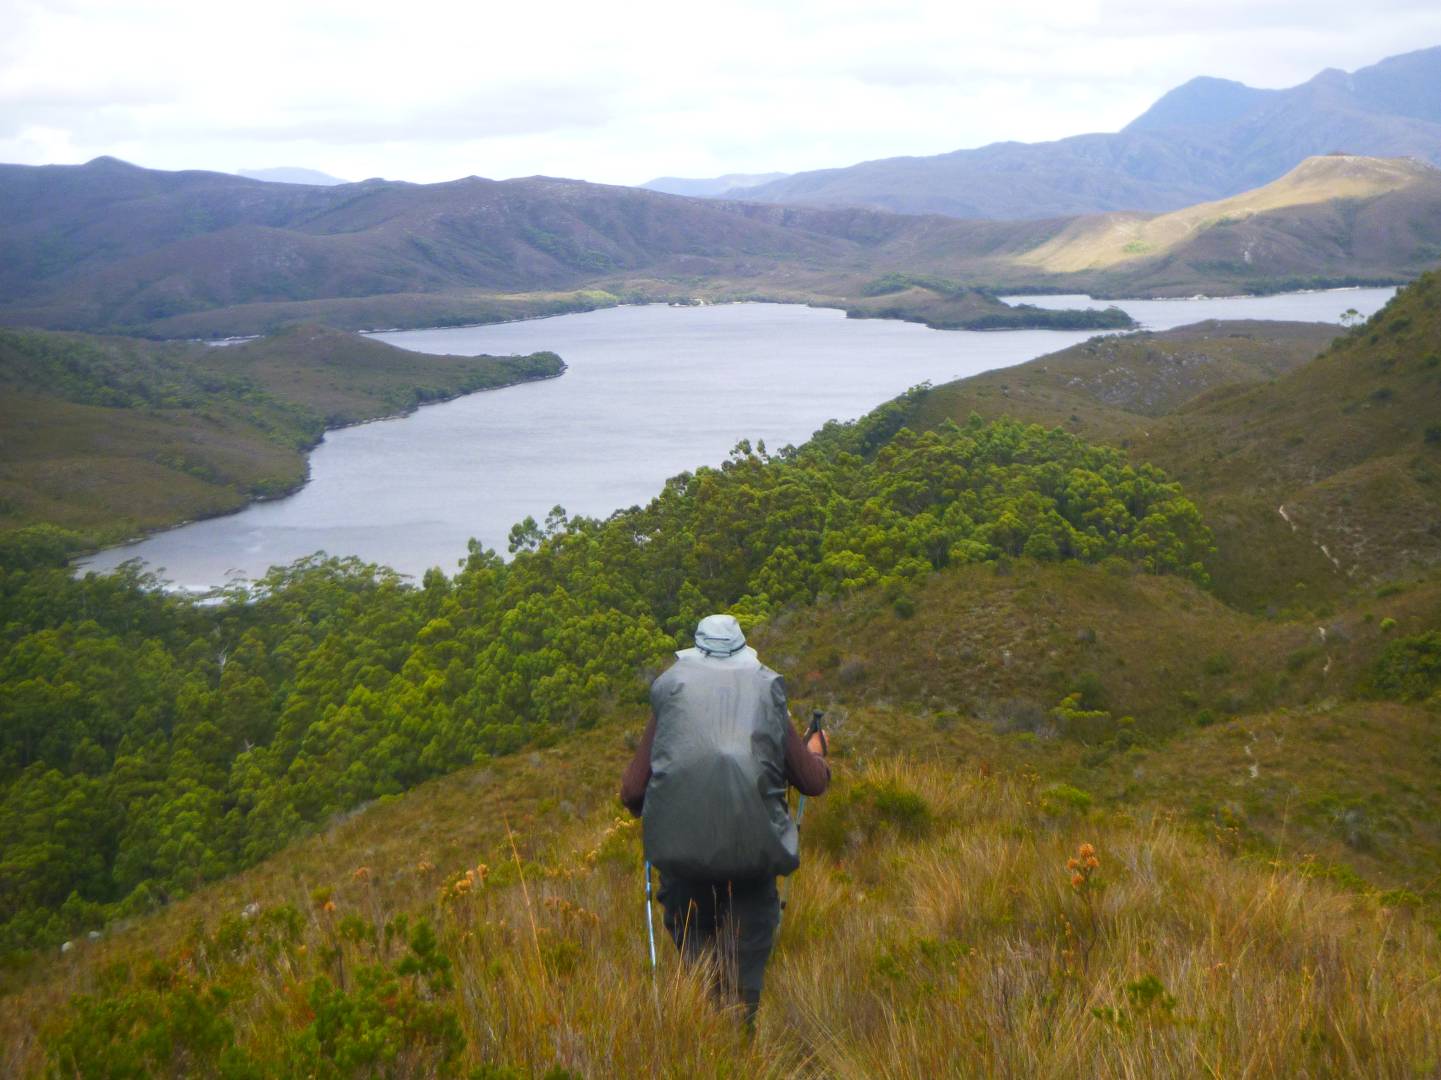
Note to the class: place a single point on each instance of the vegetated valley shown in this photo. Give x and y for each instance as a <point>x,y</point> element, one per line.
<point>1172,596</point>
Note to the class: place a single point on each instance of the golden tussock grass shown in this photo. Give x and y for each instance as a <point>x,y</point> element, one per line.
<point>953,939</point>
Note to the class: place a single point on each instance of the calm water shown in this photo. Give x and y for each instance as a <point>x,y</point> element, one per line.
<point>651,391</point>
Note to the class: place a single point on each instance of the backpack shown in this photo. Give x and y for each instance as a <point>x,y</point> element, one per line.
<point>715,808</point>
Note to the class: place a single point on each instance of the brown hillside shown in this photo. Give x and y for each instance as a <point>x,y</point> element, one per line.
<point>1346,444</point>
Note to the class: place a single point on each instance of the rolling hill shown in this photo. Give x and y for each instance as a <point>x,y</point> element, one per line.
<point>115,436</point>
<point>108,246</point>
<point>1322,185</point>
<point>1318,475</point>
<point>1206,140</point>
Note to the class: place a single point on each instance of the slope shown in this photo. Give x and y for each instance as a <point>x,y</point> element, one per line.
<point>147,249</point>
<point>120,436</point>
<point>934,925</point>
<point>1005,684</point>
<point>1103,242</point>
<point>1205,140</point>
<point>1318,479</point>
<point>1345,453</point>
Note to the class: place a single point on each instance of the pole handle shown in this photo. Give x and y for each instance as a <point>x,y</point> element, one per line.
<point>815,728</point>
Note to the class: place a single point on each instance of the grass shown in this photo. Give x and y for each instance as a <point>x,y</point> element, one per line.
<point>1106,241</point>
<point>1266,921</point>
<point>963,948</point>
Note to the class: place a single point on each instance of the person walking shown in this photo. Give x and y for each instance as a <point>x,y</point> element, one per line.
<point>709,781</point>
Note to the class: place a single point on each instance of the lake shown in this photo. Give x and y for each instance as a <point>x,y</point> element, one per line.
<point>650,392</point>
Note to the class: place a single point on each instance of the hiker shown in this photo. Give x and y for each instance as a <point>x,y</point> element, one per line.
<point>709,782</point>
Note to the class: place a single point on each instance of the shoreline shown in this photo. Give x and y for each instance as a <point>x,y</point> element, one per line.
<point>76,563</point>
<point>293,490</point>
<point>817,300</point>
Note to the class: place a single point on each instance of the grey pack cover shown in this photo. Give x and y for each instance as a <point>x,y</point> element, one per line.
<point>715,807</point>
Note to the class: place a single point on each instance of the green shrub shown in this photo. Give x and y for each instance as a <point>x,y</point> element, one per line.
<point>1074,721</point>
<point>866,811</point>
<point>1092,692</point>
<point>1059,800</point>
<point>1408,669</point>
<point>168,1023</point>
<point>1218,664</point>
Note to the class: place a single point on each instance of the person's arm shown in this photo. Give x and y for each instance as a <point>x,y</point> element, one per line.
<point>808,772</point>
<point>637,774</point>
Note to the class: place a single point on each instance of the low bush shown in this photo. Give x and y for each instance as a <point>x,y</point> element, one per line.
<point>866,811</point>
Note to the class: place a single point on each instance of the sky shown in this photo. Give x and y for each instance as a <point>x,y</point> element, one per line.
<point>624,91</point>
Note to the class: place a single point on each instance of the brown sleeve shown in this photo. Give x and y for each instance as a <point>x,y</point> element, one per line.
<point>637,774</point>
<point>808,773</point>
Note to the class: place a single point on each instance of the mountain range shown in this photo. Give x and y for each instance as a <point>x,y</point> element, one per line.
<point>111,246</point>
<point>1204,140</point>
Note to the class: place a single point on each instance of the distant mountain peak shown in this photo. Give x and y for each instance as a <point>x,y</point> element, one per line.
<point>105,161</point>
<point>1203,101</point>
<point>290,174</point>
<point>1204,140</point>
<point>710,187</point>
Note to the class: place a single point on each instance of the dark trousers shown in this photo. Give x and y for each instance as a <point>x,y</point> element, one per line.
<point>733,921</point>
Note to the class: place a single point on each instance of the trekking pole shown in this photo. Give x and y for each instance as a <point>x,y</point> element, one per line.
<point>649,918</point>
<point>816,717</point>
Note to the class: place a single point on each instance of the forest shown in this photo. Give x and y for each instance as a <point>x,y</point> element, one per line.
<point>155,741</point>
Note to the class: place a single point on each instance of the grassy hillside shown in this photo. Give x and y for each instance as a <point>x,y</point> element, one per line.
<point>1107,241</point>
<point>934,925</point>
<point>1348,446</point>
<point>1317,478</point>
<point>116,436</point>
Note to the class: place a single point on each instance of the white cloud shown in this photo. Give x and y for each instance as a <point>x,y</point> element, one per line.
<point>430,90</point>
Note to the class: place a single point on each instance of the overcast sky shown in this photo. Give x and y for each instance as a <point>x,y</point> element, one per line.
<point>623,91</point>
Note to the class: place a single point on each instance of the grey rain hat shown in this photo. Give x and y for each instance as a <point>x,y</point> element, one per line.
<point>719,635</point>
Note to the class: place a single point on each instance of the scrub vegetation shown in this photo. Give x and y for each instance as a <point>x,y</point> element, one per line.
<point>115,436</point>
<point>231,728</point>
<point>1098,808</point>
<point>473,928</point>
